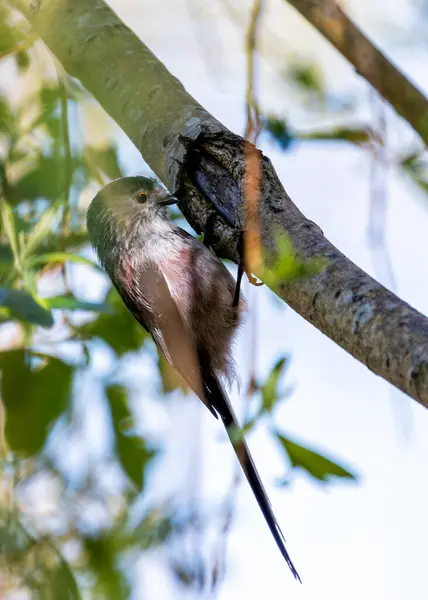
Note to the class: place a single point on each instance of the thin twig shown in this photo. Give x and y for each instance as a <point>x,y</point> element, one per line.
<point>252,177</point>
<point>68,167</point>
<point>68,179</point>
<point>379,196</point>
<point>273,47</point>
<point>254,125</point>
<point>376,231</point>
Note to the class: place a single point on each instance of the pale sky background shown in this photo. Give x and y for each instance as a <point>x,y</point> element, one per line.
<point>356,541</point>
<point>367,540</point>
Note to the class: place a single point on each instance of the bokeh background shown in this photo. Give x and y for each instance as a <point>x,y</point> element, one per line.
<point>114,482</point>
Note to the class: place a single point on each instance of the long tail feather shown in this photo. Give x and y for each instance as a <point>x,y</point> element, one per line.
<point>218,399</point>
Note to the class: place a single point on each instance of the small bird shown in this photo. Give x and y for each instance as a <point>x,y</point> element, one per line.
<point>182,294</point>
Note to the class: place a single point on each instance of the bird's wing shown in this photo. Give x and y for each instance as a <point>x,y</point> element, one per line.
<point>153,307</point>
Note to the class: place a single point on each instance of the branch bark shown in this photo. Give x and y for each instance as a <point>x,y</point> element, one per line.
<point>369,62</point>
<point>201,161</point>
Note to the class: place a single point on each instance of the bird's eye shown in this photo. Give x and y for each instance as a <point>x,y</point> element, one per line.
<point>142,197</point>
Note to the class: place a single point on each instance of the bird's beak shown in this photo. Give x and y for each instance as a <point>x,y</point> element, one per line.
<point>168,200</point>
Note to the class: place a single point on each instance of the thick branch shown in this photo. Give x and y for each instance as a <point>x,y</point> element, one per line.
<point>369,62</point>
<point>204,163</point>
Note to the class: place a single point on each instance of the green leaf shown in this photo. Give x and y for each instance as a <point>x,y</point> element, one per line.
<point>132,451</point>
<point>71,303</point>
<point>315,464</point>
<point>284,265</point>
<point>6,262</point>
<point>45,179</point>
<point>269,390</point>
<point>63,584</point>
<point>41,230</point>
<point>34,397</point>
<point>415,165</point>
<point>13,537</point>
<point>60,257</point>
<point>57,580</point>
<point>279,131</point>
<point>7,118</point>
<point>119,329</point>
<point>104,160</point>
<point>49,97</point>
<point>103,561</point>
<point>23,306</point>
<point>54,126</point>
<point>8,224</point>
<point>22,60</point>
<point>10,36</point>
<point>29,278</point>
<point>309,78</point>
<point>354,135</point>
<point>154,529</point>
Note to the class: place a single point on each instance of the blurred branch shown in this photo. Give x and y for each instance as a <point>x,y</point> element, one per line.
<point>252,174</point>
<point>68,167</point>
<point>68,176</point>
<point>202,162</point>
<point>369,62</point>
<point>254,125</point>
<point>376,230</point>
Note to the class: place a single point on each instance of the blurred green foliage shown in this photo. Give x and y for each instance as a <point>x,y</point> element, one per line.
<point>116,328</point>
<point>34,396</point>
<point>280,132</point>
<point>131,449</point>
<point>308,78</point>
<point>415,166</point>
<point>45,170</point>
<point>284,265</point>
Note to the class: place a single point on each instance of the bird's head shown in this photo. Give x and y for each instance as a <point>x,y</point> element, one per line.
<point>122,212</point>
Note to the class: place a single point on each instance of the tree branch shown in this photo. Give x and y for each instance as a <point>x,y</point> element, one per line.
<point>369,62</point>
<point>197,158</point>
